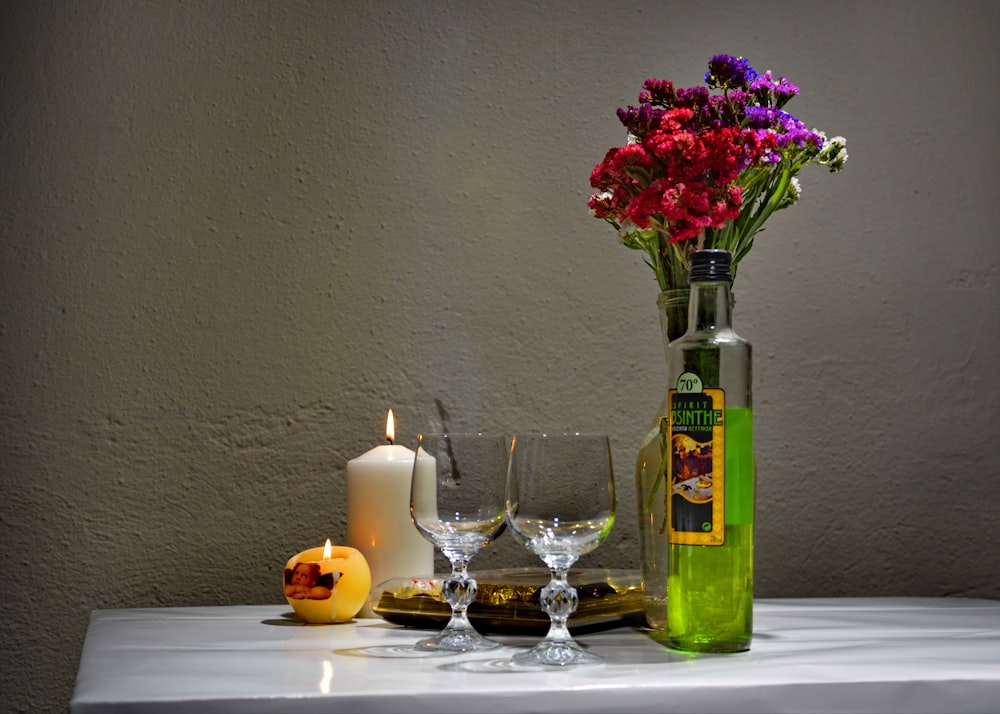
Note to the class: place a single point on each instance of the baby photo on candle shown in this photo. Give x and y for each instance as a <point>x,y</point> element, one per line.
<point>306,582</point>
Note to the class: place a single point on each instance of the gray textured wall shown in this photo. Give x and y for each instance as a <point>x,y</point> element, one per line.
<point>234,234</point>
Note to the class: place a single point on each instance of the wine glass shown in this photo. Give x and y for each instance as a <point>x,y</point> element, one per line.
<point>560,504</point>
<point>456,502</point>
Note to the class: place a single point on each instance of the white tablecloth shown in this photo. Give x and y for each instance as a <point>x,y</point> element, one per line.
<point>808,655</point>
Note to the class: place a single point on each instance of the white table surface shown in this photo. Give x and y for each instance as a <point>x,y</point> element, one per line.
<point>808,655</point>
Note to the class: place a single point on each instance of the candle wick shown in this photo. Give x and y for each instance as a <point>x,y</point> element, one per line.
<point>389,440</point>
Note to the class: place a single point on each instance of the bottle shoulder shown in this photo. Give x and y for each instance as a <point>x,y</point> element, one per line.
<point>712,337</point>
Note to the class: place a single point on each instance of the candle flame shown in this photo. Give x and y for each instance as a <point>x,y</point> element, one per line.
<point>327,550</point>
<point>390,428</point>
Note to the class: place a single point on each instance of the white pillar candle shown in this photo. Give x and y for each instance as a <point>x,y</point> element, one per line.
<point>378,514</point>
<point>424,495</point>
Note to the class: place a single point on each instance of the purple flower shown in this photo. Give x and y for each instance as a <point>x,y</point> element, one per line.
<point>761,117</point>
<point>694,98</point>
<point>771,92</point>
<point>638,120</point>
<point>788,130</point>
<point>728,72</point>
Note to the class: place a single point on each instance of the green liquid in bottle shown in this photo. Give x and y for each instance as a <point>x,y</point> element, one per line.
<point>710,588</point>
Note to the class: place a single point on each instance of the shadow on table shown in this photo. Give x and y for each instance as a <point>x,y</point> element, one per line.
<point>287,619</point>
<point>617,649</point>
<point>290,619</point>
<point>636,654</point>
<point>392,652</point>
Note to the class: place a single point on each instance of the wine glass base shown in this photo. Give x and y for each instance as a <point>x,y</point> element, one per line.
<point>556,654</point>
<point>461,641</point>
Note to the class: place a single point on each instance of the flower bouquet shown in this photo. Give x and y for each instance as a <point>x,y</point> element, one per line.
<point>706,170</point>
<point>700,169</point>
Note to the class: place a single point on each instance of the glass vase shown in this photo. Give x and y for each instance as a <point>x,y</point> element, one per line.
<point>649,478</point>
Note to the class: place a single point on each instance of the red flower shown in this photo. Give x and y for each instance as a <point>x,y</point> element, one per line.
<point>679,178</point>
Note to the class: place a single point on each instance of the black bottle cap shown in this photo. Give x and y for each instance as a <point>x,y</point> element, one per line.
<point>711,265</point>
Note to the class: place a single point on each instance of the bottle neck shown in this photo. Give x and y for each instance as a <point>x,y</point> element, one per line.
<point>710,308</point>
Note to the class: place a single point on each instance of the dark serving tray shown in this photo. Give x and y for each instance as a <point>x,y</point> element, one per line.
<point>507,600</point>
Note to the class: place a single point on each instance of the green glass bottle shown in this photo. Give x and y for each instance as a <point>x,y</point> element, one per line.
<point>711,470</point>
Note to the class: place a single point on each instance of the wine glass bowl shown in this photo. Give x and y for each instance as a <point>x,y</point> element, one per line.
<point>456,502</point>
<point>559,524</point>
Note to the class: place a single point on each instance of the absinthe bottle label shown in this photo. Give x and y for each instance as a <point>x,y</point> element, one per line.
<point>697,463</point>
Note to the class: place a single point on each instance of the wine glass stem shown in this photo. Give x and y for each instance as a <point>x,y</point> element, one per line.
<point>460,591</point>
<point>559,600</point>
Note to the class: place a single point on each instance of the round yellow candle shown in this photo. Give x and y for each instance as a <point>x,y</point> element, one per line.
<point>328,583</point>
